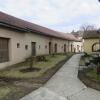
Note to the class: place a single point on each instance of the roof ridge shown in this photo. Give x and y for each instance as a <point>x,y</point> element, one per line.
<point>30,27</point>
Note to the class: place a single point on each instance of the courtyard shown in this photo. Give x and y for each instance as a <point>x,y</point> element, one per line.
<point>14,83</point>
<point>49,50</point>
<point>65,85</point>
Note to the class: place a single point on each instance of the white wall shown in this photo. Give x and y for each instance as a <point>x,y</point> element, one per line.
<point>78,46</point>
<point>60,45</point>
<point>19,54</point>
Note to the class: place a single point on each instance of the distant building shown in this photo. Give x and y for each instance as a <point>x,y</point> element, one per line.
<point>78,45</point>
<point>91,41</point>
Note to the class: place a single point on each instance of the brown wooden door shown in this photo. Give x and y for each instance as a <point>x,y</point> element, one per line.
<point>64,48</point>
<point>50,47</point>
<point>71,48</point>
<point>33,48</point>
<point>4,50</point>
<point>55,48</point>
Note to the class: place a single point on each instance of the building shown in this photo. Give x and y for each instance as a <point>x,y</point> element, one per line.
<point>20,39</point>
<point>78,45</point>
<point>91,41</point>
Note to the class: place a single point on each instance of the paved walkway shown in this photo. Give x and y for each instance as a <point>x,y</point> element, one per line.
<point>65,85</point>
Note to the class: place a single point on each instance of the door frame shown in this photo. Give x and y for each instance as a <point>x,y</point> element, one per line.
<point>64,48</point>
<point>55,48</point>
<point>50,47</point>
<point>33,44</point>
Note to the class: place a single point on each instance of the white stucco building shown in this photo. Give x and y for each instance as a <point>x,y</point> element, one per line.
<point>78,45</point>
<point>20,39</point>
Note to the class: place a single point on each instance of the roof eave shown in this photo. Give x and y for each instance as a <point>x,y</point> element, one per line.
<point>12,27</point>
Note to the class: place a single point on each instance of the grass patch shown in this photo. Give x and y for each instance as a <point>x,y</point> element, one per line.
<point>14,71</point>
<point>93,75</point>
<point>4,91</point>
<point>90,78</point>
<point>12,92</point>
<point>12,89</point>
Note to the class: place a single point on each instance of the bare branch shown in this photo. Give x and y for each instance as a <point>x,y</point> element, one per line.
<point>87,27</point>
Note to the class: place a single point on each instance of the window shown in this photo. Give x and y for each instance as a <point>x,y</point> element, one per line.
<point>26,47</point>
<point>18,45</point>
<point>45,46</point>
<point>39,46</point>
<point>4,52</point>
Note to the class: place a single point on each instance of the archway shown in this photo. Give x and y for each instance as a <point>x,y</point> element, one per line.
<point>95,47</point>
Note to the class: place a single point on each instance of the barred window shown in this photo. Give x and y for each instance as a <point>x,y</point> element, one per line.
<point>4,55</point>
<point>18,45</point>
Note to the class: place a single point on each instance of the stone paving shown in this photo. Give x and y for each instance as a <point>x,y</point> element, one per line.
<point>65,85</point>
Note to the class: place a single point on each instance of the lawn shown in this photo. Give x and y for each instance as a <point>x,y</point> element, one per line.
<point>88,71</point>
<point>91,71</point>
<point>4,91</point>
<point>93,75</point>
<point>15,71</point>
<point>15,84</point>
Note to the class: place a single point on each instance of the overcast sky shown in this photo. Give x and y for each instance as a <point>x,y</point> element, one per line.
<point>59,15</point>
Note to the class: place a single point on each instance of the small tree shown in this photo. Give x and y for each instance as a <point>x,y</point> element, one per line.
<point>31,61</point>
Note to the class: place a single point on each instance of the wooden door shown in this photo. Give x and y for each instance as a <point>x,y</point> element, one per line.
<point>50,48</point>
<point>4,50</point>
<point>55,48</point>
<point>33,48</point>
<point>64,48</point>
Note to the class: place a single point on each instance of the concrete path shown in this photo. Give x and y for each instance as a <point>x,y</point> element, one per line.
<point>65,85</point>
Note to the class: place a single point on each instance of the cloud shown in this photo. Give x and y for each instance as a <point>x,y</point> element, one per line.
<point>59,15</point>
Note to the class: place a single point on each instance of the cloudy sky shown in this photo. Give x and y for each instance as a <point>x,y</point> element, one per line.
<point>59,15</point>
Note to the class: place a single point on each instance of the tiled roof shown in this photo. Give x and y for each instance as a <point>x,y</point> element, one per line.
<point>19,24</point>
<point>91,34</point>
<point>70,37</point>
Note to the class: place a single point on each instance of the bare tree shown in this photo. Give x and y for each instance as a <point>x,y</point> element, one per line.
<point>87,27</point>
